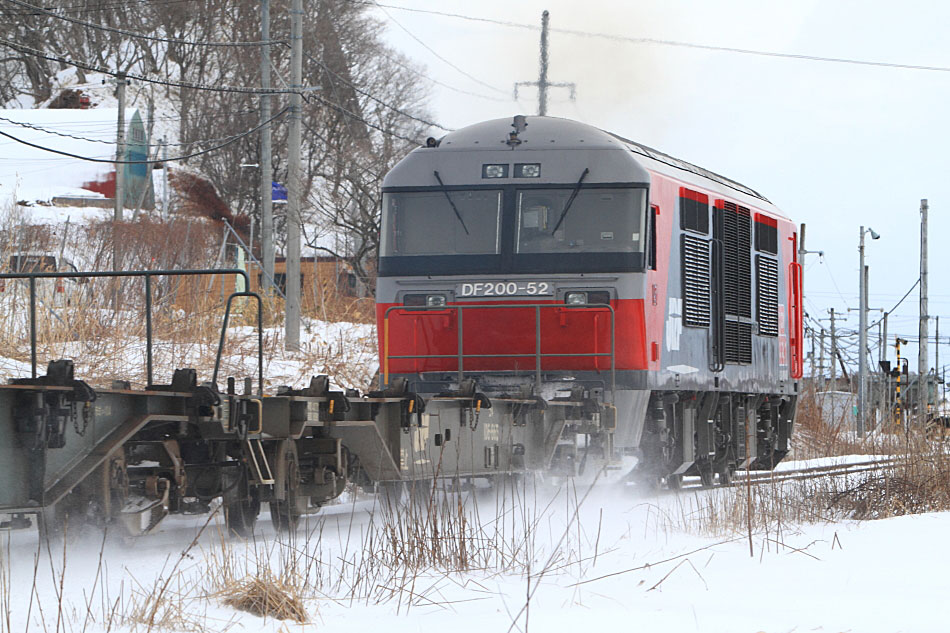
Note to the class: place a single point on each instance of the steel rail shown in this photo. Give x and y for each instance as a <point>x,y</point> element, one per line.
<point>798,474</point>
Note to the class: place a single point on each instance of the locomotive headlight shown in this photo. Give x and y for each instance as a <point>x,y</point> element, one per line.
<point>527,170</point>
<point>495,171</point>
<point>576,298</point>
<point>435,301</point>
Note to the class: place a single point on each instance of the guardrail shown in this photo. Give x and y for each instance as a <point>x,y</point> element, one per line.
<point>148,274</point>
<point>460,356</point>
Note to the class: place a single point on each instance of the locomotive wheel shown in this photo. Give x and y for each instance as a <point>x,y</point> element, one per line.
<point>285,514</point>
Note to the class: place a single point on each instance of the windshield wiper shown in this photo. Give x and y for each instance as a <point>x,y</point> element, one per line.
<point>449,198</point>
<point>570,201</point>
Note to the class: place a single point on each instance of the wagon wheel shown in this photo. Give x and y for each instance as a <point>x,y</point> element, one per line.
<point>707,475</point>
<point>726,471</point>
<point>390,494</point>
<point>241,510</point>
<point>285,513</point>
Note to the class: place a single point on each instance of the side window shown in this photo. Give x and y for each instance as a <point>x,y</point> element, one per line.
<point>694,211</point>
<point>766,234</point>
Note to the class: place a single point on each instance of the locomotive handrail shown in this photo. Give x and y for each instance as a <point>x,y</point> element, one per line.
<point>538,355</point>
<point>148,274</point>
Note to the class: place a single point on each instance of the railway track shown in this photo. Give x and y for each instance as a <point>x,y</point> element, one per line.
<point>812,472</point>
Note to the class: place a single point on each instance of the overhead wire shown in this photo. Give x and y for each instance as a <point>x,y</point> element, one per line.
<point>109,6</point>
<point>662,42</point>
<point>161,82</point>
<point>896,305</point>
<point>374,98</point>
<point>106,141</point>
<point>232,139</point>
<point>436,54</point>
<point>134,34</point>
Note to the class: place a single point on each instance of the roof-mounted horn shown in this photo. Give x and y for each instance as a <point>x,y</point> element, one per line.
<point>520,122</point>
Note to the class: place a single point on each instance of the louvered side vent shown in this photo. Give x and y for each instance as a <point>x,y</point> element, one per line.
<point>744,260</point>
<point>766,295</point>
<point>730,272</point>
<point>737,340</point>
<point>696,311</point>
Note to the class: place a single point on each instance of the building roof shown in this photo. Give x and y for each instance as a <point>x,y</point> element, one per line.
<point>32,174</point>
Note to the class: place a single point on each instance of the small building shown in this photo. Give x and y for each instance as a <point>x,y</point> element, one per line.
<point>31,174</point>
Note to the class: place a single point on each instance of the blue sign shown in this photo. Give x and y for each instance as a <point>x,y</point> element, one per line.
<point>278,192</point>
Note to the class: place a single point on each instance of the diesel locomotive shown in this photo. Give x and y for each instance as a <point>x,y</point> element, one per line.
<point>615,300</point>
<point>551,298</point>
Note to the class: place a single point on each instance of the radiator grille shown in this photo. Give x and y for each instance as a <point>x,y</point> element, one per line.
<point>766,295</point>
<point>737,342</point>
<point>695,252</point>
<point>737,239</point>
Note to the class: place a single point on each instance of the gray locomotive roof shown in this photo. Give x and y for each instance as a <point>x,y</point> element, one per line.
<point>553,133</point>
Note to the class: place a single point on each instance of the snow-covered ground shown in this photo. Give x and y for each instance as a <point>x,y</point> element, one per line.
<point>621,565</point>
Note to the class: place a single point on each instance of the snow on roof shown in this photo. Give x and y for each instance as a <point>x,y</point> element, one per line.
<point>31,174</point>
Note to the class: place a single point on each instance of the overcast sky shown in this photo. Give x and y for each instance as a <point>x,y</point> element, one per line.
<point>833,145</point>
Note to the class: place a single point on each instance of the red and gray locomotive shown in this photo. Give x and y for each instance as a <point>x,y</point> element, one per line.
<point>593,298</point>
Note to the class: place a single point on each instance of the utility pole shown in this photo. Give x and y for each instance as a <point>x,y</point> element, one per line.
<point>812,359</point>
<point>897,397</point>
<point>294,183</point>
<point>937,346</point>
<point>267,198</point>
<point>884,337</point>
<point>119,197</point>
<point>922,366</point>
<point>542,83</point>
<point>821,357</point>
<point>863,332</point>
<point>862,338</point>
<point>164,179</point>
<point>834,353</point>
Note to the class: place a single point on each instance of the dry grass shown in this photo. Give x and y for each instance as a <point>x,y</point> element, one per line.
<point>919,482</point>
<point>266,596</point>
<point>100,322</point>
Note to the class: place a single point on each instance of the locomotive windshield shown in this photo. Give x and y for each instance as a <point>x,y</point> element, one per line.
<point>425,223</point>
<point>599,221</point>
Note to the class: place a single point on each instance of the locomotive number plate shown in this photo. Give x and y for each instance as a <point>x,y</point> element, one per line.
<point>504,289</point>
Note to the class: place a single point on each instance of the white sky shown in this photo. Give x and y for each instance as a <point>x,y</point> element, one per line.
<point>833,145</point>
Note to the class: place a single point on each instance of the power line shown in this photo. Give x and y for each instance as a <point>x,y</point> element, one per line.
<point>110,142</point>
<point>152,38</point>
<point>357,117</point>
<point>896,305</point>
<point>146,161</point>
<point>377,99</point>
<point>161,82</point>
<point>663,42</point>
<point>431,50</point>
<point>444,85</point>
<point>109,6</point>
